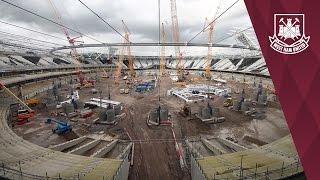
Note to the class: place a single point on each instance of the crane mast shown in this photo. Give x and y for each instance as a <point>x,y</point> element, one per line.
<point>176,34</point>
<point>128,48</point>
<point>210,40</point>
<point>163,53</point>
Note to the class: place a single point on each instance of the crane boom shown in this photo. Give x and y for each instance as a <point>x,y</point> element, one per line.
<point>176,36</point>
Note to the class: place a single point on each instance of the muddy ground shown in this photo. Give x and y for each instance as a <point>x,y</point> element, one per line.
<point>155,159</point>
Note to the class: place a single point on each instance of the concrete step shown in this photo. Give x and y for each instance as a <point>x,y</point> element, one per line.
<point>68,144</point>
<point>82,149</point>
<point>232,145</point>
<point>214,148</point>
<point>100,153</point>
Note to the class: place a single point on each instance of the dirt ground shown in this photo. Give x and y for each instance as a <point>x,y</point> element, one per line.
<point>158,159</point>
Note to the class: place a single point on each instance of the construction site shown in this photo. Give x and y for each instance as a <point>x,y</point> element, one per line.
<point>69,114</point>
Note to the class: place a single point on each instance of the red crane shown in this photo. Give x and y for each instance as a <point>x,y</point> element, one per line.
<point>72,41</point>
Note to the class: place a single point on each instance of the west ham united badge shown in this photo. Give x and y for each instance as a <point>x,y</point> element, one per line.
<point>289,34</point>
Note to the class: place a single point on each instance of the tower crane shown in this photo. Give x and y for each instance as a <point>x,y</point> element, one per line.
<point>72,41</point>
<point>128,48</point>
<point>210,39</point>
<point>163,53</point>
<point>175,33</point>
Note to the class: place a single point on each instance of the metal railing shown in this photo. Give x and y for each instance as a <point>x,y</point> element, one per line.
<point>288,170</point>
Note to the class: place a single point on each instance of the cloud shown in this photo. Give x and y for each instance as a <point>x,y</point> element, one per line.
<point>141,16</point>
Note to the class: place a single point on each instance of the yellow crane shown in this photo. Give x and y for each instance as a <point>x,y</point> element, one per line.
<point>175,33</point>
<point>163,53</point>
<point>132,73</point>
<point>210,39</point>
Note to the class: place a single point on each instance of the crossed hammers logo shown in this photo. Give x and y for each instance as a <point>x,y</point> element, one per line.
<point>289,28</point>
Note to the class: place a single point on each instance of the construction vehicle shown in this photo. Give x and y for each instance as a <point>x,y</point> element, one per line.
<point>25,114</point>
<point>32,102</point>
<point>228,102</point>
<point>61,128</point>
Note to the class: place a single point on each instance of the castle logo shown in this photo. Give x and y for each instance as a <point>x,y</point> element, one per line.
<point>289,34</point>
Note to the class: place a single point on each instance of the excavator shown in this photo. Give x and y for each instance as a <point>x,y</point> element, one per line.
<point>24,114</point>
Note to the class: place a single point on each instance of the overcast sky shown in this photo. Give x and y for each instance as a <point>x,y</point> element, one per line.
<point>141,17</point>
